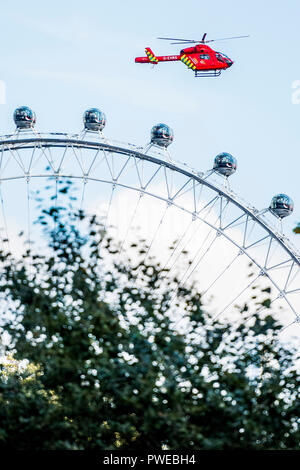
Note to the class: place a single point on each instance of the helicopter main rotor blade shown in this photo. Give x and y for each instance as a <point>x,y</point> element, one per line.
<point>177,39</point>
<point>183,42</point>
<point>225,39</point>
<point>201,41</point>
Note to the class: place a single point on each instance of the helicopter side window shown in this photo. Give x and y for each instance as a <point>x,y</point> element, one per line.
<point>204,56</point>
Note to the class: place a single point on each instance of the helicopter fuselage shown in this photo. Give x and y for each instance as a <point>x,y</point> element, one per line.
<point>198,58</point>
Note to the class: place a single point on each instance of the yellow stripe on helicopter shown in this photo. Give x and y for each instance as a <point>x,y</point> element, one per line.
<point>187,62</point>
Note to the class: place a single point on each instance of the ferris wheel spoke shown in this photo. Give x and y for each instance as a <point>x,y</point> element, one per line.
<point>283,294</point>
<point>105,227</point>
<point>293,291</point>
<point>183,280</point>
<point>83,163</point>
<point>212,201</point>
<point>235,298</point>
<point>200,260</point>
<point>272,258</point>
<point>194,196</point>
<point>171,181</point>
<point>84,183</point>
<point>152,178</point>
<point>110,169</point>
<point>142,171</point>
<point>217,234</point>
<point>78,159</point>
<point>62,159</point>
<point>280,267</point>
<point>167,183</point>
<point>193,235</point>
<point>281,330</point>
<point>248,232</point>
<point>199,198</point>
<point>297,320</point>
<point>180,192</point>
<point>92,162</point>
<point>137,165</point>
<point>275,266</point>
<point>50,161</point>
<point>29,240</point>
<point>250,317</point>
<point>234,223</point>
<point>210,207</point>
<point>222,210</point>
<point>140,176</point>
<point>95,165</point>
<point>222,273</point>
<point>35,158</point>
<point>178,244</point>
<point>264,307</point>
<point>245,230</point>
<point>153,238</point>
<point>199,250</point>
<point>268,252</point>
<point>130,223</point>
<point>257,242</point>
<point>122,169</point>
<point>1,158</point>
<point>6,239</point>
<point>292,278</point>
<point>183,249</point>
<point>31,160</point>
<point>17,159</point>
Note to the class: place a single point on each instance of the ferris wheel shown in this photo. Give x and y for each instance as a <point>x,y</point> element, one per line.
<point>195,212</point>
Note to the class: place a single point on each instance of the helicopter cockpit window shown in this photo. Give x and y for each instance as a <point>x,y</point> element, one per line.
<point>204,56</point>
<point>226,59</point>
<point>219,57</point>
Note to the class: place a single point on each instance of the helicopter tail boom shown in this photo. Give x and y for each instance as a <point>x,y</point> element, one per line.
<point>152,59</point>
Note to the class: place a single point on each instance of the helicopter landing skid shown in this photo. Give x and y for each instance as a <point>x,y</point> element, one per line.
<point>208,73</point>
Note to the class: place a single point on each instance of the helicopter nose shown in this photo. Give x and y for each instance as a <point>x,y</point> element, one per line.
<point>229,63</point>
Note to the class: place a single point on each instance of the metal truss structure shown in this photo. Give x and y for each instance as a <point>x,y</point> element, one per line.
<point>205,197</point>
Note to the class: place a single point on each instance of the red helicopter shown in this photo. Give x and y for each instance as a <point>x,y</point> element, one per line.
<point>203,60</point>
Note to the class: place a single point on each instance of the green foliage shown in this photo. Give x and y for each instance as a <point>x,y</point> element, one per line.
<point>297,229</point>
<point>107,366</point>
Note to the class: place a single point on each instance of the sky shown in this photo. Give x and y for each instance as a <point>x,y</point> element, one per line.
<point>61,58</point>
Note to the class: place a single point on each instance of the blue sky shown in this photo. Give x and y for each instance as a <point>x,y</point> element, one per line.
<point>62,57</point>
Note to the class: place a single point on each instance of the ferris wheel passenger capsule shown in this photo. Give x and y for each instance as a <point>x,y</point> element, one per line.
<point>225,164</point>
<point>24,117</point>
<point>162,135</point>
<point>94,119</point>
<point>281,205</point>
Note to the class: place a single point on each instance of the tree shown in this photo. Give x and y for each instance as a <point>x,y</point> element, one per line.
<point>96,360</point>
<point>297,229</point>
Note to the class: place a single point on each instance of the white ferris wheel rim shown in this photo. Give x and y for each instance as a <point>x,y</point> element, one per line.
<point>14,144</point>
